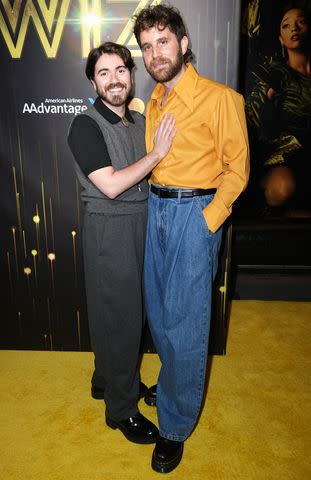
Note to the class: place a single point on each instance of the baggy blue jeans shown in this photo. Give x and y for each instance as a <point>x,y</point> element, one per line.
<point>181,259</point>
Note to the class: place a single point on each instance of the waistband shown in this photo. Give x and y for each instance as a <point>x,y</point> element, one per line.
<point>181,193</point>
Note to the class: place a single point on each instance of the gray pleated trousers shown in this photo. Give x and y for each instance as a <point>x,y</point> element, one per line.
<point>113,248</point>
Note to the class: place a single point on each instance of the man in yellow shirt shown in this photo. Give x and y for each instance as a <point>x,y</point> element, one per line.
<point>191,194</point>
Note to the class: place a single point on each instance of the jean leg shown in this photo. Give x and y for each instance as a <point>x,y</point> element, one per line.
<point>153,272</point>
<point>181,331</point>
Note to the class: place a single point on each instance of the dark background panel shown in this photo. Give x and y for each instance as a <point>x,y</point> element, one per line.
<point>43,299</point>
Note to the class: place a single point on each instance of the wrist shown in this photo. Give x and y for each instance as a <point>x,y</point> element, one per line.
<point>154,157</point>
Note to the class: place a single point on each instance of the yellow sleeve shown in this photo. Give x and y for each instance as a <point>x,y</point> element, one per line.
<point>231,144</point>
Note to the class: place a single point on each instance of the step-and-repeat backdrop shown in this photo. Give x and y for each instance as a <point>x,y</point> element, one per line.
<point>43,46</point>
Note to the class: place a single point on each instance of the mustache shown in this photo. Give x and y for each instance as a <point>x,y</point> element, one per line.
<point>159,61</point>
<point>114,85</point>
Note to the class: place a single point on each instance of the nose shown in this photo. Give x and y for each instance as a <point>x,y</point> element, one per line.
<point>113,77</point>
<point>155,51</point>
<point>295,27</point>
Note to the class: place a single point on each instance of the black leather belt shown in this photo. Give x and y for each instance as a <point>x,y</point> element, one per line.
<point>185,192</point>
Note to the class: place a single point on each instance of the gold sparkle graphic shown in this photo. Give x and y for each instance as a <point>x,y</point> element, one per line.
<point>73,234</point>
<point>78,328</point>
<point>34,254</point>
<point>52,257</point>
<point>15,249</point>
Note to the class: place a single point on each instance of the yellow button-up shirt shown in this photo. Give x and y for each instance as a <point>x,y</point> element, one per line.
<point>210,149</point>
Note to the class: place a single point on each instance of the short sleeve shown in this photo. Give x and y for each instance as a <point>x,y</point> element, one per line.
<point>88,145</point>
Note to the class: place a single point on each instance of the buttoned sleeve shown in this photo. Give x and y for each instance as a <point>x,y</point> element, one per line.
<point>231,145</point>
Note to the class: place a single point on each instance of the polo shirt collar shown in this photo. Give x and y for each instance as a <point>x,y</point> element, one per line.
<point>109,115</point>
<point>184,88</point>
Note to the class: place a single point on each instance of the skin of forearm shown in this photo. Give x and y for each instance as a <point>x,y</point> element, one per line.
<point>113,182</point>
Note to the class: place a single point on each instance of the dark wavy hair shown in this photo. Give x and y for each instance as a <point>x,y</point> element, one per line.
<point>290,5</point>
<point>305,8</point>
<point>110,48</point>
<point>161,16</point>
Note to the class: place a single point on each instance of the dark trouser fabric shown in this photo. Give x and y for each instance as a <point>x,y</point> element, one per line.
<point>113,247</point>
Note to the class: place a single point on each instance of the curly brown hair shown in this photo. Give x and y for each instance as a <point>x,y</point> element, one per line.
<point>161,16</point>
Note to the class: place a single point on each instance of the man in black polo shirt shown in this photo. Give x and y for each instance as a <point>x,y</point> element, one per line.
<point>108,144</point>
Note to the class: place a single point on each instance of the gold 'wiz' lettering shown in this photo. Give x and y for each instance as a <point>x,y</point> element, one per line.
<point>127,37</point>
<point>30,12</point>
<point>90,34</point>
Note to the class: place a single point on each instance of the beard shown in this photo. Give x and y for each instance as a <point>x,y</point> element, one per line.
<point>171,69</point>
<point>115,99</point>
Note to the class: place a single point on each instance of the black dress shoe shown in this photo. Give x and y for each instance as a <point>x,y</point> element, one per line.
<point>137,429</point>
<point>166,455</point>
<point>151,396</point>
<point>99,393</point>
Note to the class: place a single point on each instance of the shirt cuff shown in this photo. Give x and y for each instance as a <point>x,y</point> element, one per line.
<point>215,216</point>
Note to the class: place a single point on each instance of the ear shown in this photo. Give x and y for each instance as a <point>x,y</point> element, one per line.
<point>184,44</point>
<point>280,38</point>
<point>94,85</point>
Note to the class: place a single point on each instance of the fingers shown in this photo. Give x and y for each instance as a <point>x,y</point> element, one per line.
<point>168,122</point>
<point>173,132</point>
<point>164,135</point>
<point>270,93</point>
<point>166,127</point>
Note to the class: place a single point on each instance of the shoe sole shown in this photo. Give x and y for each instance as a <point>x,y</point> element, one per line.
<point>166,467</point>
<point>142,441</point>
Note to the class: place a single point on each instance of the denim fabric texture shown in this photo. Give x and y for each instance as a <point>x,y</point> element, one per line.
<point>181,261</point>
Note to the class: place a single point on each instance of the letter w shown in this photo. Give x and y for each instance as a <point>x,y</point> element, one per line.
<point>30,12</point>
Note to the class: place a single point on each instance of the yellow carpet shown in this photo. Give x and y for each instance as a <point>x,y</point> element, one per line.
<point>255,423</point>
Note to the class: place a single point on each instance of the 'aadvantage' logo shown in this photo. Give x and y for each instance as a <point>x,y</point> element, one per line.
<point>56,106</point>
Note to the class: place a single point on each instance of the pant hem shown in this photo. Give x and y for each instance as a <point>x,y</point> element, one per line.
<point>171,436</point>
<point>123,417</point>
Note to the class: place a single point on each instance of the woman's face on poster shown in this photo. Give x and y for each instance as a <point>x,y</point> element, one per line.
<point>294,29</point>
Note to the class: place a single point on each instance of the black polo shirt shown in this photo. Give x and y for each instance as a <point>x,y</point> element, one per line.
<point>86,140</point>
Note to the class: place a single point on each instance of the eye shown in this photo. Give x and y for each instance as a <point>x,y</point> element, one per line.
<point>122,70</point>
<point>163,41</point>
<point>146,48</point>
<point>103,74</point>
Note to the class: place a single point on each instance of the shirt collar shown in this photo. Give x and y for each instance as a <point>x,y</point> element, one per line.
<point>184,88</point>
<point>109,115</point>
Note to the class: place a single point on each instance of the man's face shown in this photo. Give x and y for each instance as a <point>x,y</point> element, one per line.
<point>112,80</point>
<point>162,53</point>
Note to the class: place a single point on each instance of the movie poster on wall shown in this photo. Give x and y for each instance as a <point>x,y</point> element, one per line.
<point>276,81</point>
